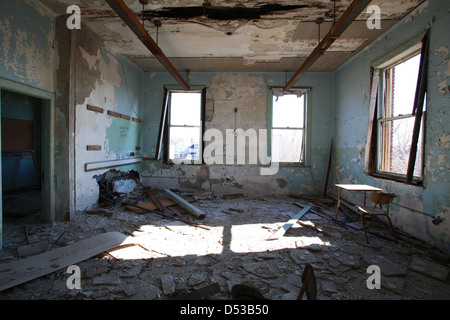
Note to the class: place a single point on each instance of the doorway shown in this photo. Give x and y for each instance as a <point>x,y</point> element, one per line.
<point>28,174</point>
<point>22,154</point>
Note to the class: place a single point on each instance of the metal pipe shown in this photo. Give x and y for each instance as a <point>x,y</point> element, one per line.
<point>185,205</point>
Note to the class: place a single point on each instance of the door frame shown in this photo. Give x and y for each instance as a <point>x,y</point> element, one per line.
<point>48,138</point>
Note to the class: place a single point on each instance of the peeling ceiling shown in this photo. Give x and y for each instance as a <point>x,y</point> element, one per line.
<point>235,36</point>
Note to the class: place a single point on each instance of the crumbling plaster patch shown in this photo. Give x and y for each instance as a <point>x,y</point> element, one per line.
<point>102,82</point>
<point>25,55</point>
<point>246,92</point>
<point>444,140</point>
<point>100,69</point>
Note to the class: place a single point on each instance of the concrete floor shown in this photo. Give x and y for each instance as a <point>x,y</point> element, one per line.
<point>171,258</point>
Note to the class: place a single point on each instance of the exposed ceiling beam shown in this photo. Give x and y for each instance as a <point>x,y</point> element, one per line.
<point>352,12</point>
<point>133,23</point>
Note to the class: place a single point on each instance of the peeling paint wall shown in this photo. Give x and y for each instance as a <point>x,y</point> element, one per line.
<point>38,50</point>
<point>27,53</point>
<point>115,85</point>
<point>248,93</point>
<point>415,207</point>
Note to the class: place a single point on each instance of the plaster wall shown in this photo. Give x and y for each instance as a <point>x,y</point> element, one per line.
<point>28,58</point>
<point>112,83</point>
<point>38,50</point>
<point>27,51</point>
<point>415,208</point>
<point>248,93</point>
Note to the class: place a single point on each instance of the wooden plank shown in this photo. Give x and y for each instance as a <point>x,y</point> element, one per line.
<point>150,206</point>
<point>137,120</point>
<point>93,148</point>
<point>280,232</point>
<point>114,114</point>
<point>20,271</point>
<point>95,109</point>
<point>156,200</point>
<point>124,116</point>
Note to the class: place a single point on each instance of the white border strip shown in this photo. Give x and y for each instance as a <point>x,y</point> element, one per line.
<point>110,164</point>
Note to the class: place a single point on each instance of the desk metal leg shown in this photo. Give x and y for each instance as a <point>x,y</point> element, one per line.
<point>364,198</point>
<point>338,204</point>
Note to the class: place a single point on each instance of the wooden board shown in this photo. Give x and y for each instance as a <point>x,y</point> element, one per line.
<point>20,271</point>
<point>150,206</point>
<point>280,232</point>
<point>17,135</point>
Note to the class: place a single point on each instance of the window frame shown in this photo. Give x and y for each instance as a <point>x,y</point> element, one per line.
<point>307,126</point>
<point>165,123</point>
<point>417,45</point>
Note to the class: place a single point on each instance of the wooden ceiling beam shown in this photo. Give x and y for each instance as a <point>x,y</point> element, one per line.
<point>138,29</point>
<point>350,15</point>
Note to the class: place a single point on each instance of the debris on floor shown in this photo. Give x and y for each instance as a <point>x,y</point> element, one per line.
<point>166,258</point>
<point>116,185</point>
<point>20,271</point>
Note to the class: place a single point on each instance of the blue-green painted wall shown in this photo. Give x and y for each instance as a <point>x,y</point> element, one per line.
<point>415,207</point>
<point>27,53</point>
<point>27,56</point>
<point>113,83</point>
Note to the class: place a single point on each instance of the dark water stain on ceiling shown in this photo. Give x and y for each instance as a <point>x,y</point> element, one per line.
<point>221,13</point>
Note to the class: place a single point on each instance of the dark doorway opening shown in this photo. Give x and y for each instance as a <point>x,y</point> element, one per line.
<point>22,145</point>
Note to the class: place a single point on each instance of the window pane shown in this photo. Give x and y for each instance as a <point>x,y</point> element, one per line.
<point>288,111</point>
<point>184,143</point>
<point>404,83</point>
<point>395,143</point>
<point>185,108</point>
<point>287,145</point>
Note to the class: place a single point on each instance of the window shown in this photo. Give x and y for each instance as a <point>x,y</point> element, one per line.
<point>396,122</point>
<point>288,126</point>
<point>184,126</point>
<point>396,131</point>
